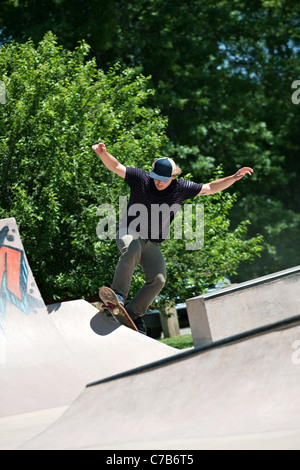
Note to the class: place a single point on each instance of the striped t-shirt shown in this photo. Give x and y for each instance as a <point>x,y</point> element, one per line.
<point>150,212</point>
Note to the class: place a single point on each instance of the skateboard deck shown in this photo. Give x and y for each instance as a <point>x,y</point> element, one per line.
<point>113,306</point>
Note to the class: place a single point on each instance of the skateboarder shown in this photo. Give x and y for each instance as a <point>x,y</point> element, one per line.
<point>142,246</point>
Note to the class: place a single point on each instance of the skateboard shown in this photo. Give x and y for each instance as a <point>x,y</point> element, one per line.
<point>114,308</point>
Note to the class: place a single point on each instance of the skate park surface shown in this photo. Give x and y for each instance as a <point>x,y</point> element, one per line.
<point>73,379</point>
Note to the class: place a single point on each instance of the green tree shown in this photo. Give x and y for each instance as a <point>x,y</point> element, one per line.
<point>224,248</point>
<point>58,105</point>
<point>222,71</point>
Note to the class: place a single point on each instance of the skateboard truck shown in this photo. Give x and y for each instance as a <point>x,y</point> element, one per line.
<point>111,303</point>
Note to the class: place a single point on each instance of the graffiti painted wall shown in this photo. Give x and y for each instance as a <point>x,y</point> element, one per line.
<point>17,286</point>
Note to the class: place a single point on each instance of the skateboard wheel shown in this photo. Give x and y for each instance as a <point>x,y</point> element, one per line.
<point>116,311</point>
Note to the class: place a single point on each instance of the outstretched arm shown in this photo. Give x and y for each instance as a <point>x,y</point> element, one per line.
<point>218,185</point>
<point>109,161</point>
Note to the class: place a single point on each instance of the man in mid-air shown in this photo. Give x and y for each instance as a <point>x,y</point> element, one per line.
<point>142,247</point>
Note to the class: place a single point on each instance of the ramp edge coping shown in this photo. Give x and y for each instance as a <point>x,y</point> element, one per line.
<point>280,325</point>
<point>248,284</point>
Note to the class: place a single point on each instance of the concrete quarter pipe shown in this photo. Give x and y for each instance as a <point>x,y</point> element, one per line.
<point>238,393</point>
<point>48,355</point>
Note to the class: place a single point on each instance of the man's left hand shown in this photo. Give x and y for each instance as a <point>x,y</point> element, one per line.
<point>243,172</point>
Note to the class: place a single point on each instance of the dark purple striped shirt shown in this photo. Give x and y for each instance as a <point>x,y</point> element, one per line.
<point>150,212</point>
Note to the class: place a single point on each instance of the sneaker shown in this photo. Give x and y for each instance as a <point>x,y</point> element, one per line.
<point>120,299</point>
<point>140,324</point>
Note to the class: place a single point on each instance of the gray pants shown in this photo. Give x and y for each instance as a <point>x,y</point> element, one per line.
<point>136,251</point>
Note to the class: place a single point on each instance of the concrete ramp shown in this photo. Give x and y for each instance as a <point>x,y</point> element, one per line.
<point>240,393</point>
<point>237,393</point>
<point>244,306</point>
<point>48,355</point>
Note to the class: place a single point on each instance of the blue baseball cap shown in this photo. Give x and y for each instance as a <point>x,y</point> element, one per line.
<point>163,169</point>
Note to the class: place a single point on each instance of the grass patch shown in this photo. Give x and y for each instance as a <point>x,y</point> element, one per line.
<point>179,342</point>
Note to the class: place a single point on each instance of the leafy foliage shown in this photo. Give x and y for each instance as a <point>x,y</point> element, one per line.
<point>192,272</point>
<point>223,75</point>
<point>59,104</point>
<point>222,71</point>
<point>52,182</point>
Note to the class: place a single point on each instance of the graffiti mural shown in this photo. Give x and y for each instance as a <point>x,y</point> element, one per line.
<point>14,276</point>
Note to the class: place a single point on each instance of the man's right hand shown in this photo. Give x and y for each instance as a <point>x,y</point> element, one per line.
<point>109,161</point>
<point>99,148</point>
